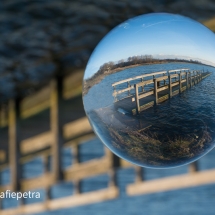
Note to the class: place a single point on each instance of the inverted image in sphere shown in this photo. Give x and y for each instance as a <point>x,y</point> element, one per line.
<point>149,91</point>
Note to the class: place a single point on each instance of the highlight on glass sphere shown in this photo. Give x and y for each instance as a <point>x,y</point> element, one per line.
<point>149,90</point>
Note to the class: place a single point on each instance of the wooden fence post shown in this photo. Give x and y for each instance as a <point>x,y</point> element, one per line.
<point>139,174</point>
<point>187,79</point>
<point>3,116</point>
<point>128,85</point>
<point>115,95</point>
<point>193,167</point>
<point>46,163</point>
<point>194,77</point>
<point>170,86</point>
<point>115,164</point>
<point>180,90</point>
<point>155,91</point>
<point>142,85</point>
<point>14,140</point>
<point>191,79</point>
<point>164,80</point>
<point>137,99</point>
<point>55,110</point>
<point>76,160</point>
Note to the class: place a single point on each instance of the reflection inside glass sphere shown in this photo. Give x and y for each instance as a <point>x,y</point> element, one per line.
<point>149,90</point>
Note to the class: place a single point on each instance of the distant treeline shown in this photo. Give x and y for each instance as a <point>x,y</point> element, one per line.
<point>112,67</point>
<point>108,67</point>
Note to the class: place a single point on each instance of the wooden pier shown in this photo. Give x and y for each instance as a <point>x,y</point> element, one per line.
<point>154,88</point>
<point>16,150</point>
<point>69,129</point>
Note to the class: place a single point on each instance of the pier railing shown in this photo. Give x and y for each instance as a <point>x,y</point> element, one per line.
<point>40,101</point>
<point>16,151</point>
<point>168,85</point>
<point>130,86</point>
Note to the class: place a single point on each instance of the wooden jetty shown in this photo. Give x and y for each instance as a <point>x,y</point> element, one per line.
<point>154,88</point>
<point>75,132</point>
<point>17,149</point>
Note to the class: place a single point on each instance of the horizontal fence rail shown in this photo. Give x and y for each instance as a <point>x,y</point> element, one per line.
<point>71,135</point>
<point>161,85</point>
<point>40,101</point>
<point>49,143</point>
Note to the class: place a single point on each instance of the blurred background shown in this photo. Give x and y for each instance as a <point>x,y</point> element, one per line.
<point>46,142</point>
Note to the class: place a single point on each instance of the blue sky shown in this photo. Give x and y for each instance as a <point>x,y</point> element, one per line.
<point>157,34</point>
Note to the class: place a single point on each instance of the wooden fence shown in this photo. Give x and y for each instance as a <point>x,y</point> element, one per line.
<point>18,151</point>
<point>166,84</point>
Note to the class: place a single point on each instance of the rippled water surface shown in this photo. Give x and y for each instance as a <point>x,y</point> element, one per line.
<point>173,133</point>
<point>100,95</point>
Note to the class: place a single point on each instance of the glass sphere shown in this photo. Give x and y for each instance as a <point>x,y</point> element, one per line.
<point>149,91</point>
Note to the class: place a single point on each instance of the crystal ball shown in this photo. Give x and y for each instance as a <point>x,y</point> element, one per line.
<point>149,92</point>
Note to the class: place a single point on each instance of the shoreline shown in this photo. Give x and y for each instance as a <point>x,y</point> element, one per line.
<point>88,83</point>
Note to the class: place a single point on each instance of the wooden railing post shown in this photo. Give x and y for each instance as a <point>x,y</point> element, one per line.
<point>195,77</point>
<point>137,99</point>
<point>55,110</point>
<point>193,167</point>
<point>46,163</point>
<point>187,79</point>
<point>170,86</point>
<point>3,116</point>
<point>142,85</point>
<point>75,154</point>
<point>128,85</point>
<point>14,140</point>
<point>155,91</point>
<point>191,78</point>
<point>76,160</point>
<point>164,80</point>
<point>139,174</point>
<point>180,88</point>
<point>115,164</point>
<point>115,94</point>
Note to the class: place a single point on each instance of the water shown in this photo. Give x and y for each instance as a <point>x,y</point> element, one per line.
<point>102,92</point>
<point>197,200</point>
<point>173,133</point>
